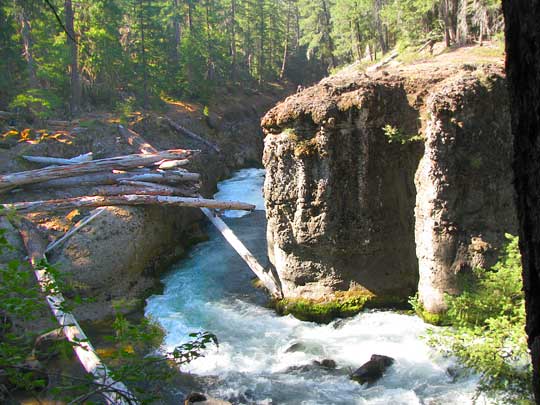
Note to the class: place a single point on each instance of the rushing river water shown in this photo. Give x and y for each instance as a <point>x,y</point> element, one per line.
<point>256,362</point>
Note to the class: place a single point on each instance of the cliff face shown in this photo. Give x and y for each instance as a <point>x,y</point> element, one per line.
<point>464,202</point>
<point>375,183</point>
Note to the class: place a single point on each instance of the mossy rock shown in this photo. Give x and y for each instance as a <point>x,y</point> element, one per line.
<point>345,304</point>
<point>432,318</point>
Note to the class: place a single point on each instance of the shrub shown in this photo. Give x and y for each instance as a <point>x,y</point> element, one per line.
<point>37,103</point>
<point>488,329</point>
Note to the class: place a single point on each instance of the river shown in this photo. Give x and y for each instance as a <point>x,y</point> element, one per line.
<point>259,353</point>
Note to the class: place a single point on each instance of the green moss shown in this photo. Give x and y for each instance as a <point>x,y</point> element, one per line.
<point>428,317</point>
<point>345,304</point>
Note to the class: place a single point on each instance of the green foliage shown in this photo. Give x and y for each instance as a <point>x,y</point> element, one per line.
<point>21,303</point>
<point>488,332</point>
<point>395,135</point>
<point>37,103</point>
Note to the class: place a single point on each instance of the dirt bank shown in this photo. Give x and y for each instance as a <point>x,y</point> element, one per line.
<point>118,258</point>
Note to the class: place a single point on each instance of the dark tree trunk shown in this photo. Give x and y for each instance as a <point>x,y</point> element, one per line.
<point>75,79</point>
<point>328,29</point>
<point>523,68</point>
<point>233,40</point>
<point>177,34</point>
<point>143,55</point>
<point>261,42</point>
<point>377,6</point>
<point>28,53</point>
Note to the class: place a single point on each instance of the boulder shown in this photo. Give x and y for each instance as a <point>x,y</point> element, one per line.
<point>373,370</point>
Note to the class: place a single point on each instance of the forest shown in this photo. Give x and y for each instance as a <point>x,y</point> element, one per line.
<point>60,57</point>
<point>62,61</point>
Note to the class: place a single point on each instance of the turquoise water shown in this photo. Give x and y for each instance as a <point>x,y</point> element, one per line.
<point>211,290</point>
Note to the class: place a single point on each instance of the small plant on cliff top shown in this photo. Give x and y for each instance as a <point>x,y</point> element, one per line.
<point>488,333</point>
<point>395,135</point>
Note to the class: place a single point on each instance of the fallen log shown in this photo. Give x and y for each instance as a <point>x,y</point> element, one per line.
<point>75,228</point>
<point>384,62</point>
<point>131,199</point>
<point>170,177</point>
<point>114,392</point>
<point>167,190</point>
<point>9,181</point>
<point>134,139</point>
<point>87,157</point>
<point>172,164</point>
<point>193,135</point>
<point>267,278</point>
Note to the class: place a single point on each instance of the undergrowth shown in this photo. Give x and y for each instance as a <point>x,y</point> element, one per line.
<point>488,329</point>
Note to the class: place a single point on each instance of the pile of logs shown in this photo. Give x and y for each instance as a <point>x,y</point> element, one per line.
<point>151,177</point>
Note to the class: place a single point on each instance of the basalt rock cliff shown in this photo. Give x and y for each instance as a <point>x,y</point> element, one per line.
<point>383,183</point>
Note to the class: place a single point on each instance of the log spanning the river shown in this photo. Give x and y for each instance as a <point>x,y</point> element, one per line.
<point>113,391</point>
<point>103,201</point>
<point>9,181</point>
<point>268,279</point>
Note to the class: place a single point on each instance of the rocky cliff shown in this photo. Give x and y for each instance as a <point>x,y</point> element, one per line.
<point>377,183</point>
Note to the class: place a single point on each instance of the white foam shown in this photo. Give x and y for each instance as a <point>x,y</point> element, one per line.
<point>252,362</point>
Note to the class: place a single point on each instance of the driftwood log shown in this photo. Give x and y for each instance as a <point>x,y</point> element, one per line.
<point>102,201</point>
<point>87,157</point>
<point>116,392</point>
<point>12,180</point>
<point>134,139</point>
<point>169,177</point>
<point>172,164</point>
<point>94,214</point>
<point>187,132</point>
<point>267,278</point>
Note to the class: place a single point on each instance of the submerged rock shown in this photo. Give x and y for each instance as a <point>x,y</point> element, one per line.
<point>373,370</point>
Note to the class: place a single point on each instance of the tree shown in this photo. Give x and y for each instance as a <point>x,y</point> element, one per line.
<point>316,28</point>
<point>75,80</point>
<point>522,66</point>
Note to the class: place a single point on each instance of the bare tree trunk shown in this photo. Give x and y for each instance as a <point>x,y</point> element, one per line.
<point>9,181</point>
<point>76,90</point>
<point>377,6</point>
<point>177,34</point>
<point>190,16</point>
<point>358,40</point>
<point>286,45</point>
<point>448,9</point>
<point>522,66</point>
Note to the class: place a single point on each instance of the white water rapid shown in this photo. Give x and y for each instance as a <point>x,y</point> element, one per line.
<point>211,291</point>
